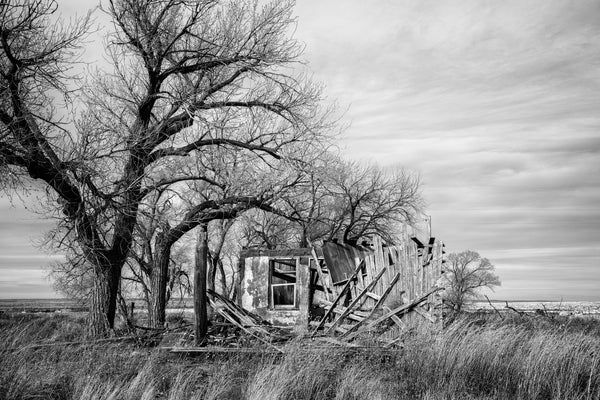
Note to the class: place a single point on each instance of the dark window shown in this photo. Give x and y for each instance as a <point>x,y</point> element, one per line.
<point>283,283</point>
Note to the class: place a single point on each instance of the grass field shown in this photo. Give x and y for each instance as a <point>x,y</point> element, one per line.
<point>477,357</point>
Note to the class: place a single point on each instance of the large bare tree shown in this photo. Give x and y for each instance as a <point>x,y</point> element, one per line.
<point>186,76</point>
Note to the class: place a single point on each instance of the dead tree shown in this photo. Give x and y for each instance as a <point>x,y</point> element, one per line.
<point>340,200</point>
<point>186,76</point>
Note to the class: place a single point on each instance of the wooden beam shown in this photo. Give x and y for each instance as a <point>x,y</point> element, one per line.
<point>395,319</point>
<point>320,273</point>
<point>392,342</point>
<point>374,296</point>
<point>361,314</point>
<point>357,299</point>
<point>217,349</point>
<point>342,293</point>
<point>400,310</point>
<point>379,302</point>
<point>353,315</point>
<point>338,342</point>
<point>424,314</point>
<point>419,244</point>
<point>337,328</point>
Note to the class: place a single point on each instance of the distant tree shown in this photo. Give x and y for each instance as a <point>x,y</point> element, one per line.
<point>466,273</point>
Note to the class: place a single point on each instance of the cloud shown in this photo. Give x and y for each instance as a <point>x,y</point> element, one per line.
<point>31,261</point>
<point>23,265</point>
<point>20,229</point>
<point>25,283</point>
<point>495,104</point>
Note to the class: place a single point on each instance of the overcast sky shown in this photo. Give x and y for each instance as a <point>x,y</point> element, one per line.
<point>494,103</point>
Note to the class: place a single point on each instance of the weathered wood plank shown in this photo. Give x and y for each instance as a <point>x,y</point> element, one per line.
<point>217,349</point>
<point>397,311</point>
<point>393,341</point>
<point>374,296</point>
<point>395,319</point>
<point>299,252</point>
<point>338,329</point>
<point>320,272</point>
<point>379,303</point>
<point>424,314</point>
<point>338,298</point>
<point>357,299</point>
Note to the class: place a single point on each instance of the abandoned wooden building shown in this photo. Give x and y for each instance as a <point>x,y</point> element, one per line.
<point>345,290</point>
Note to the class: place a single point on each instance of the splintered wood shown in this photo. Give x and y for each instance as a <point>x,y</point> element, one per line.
<point>243,319</point>
<point>379,290</point>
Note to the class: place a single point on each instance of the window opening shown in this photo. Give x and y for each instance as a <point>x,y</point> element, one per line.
<point>283,283</point>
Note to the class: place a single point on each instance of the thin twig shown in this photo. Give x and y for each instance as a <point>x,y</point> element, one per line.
<point>521,313</point>
<point>495,309</point>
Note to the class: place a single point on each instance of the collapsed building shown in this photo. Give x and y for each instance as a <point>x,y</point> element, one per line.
<point>346,289</point>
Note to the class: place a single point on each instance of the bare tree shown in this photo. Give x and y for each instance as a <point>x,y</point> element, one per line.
<point>187,76</point>
<point>227,197</point>
<point>340,200</point>
<point>34,141</point>
<point>368,200</point>
<point>217,247</point>
<point>466,273</point>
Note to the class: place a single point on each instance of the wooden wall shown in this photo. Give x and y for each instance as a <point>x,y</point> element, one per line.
<point>411,277</point>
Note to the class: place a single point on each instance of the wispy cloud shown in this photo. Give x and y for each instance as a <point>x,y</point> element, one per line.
<point>495,104</point>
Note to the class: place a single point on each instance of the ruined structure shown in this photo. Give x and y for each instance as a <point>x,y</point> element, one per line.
<point>346,290</point>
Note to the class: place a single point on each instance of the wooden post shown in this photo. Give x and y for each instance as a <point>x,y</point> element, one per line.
<point>131,310</point>
<point>200,301</point>
<point>319,272</point>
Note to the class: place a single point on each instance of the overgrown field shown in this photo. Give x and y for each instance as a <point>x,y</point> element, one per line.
<point>475,358</point>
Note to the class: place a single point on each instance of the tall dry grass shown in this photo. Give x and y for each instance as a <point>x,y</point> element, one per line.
<point>474,358</point>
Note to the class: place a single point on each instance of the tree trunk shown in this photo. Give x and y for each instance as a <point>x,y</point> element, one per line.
<point>124,310</point>
<point>158,283</point>
<point>103,301</point>
<point>224,288</point>
<point>200,275</point>
<point>304,238</point>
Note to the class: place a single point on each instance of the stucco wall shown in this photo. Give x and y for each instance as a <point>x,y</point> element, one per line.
<point>255,293</point>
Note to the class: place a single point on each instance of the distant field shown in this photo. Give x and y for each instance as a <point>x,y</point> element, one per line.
<point>51,305</point>
<point>576,308</point>
<point>40,305</point>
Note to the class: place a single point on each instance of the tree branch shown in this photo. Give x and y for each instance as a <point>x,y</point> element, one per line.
<point>185,150</point>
